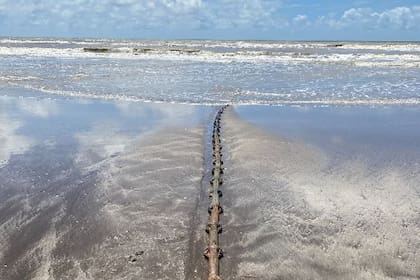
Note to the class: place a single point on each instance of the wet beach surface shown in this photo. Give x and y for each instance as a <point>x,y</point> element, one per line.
<point>91,189</point>
<point>98,190</point>
<point>321,193</point>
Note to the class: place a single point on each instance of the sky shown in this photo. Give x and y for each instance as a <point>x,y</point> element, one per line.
<point>395,20</point>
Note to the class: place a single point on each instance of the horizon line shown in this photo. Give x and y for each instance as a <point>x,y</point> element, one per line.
<point>203,39</point>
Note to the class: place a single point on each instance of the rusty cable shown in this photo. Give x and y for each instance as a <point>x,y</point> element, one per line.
<point>213,252</point>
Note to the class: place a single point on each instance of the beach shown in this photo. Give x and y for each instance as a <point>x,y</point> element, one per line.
<point>106,159</point>
<point>84,202</point>
<point>318,202</point>
<point>129,202</point>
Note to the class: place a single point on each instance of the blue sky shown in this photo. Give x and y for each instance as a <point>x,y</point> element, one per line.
<point>213,19</point>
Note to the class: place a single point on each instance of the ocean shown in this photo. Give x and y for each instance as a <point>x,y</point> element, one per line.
<point>214,72</point>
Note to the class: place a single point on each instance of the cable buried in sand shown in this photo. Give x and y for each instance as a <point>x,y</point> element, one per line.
<point>213,252</point>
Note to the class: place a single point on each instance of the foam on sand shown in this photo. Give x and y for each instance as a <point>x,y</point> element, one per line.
<point>290,213</point>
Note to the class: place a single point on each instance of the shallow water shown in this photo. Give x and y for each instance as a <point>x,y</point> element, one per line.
<point>382,133</point>
<point>28,122</point>
<point>215,72</point>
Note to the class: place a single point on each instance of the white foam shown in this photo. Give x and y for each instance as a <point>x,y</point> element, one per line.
<point>14,78</point>
<point>364,59</point>
<point>266,61</point>
<point>194,101</point>
<point>400,47</point>
<point>48,41</point>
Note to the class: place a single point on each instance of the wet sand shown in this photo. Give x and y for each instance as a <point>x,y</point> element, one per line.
<point>108,190</point>
<point>105,202</point>
<point>298,210</point>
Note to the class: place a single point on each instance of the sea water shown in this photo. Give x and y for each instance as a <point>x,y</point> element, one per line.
<point>213,72</point>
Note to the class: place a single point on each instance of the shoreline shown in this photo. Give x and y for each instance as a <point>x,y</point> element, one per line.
<point>38,93</point>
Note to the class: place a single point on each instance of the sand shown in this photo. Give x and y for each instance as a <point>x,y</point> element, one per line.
<point>293,211</point>
<point>101,204</point>
<point>128,216</point>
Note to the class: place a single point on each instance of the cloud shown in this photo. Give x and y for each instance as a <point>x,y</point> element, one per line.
<point>140,15</point>
<point>198,18</point>
<point>399,18</point>
<point>301,21</point>
<point>253,13</point>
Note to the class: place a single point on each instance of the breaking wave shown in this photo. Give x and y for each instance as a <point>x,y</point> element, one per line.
<point>214,72</point>
<point>354,53</point>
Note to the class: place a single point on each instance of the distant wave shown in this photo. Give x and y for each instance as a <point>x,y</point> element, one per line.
<point>408,60</point>
<point>15,78</point>
<point>215,44</point>
<point>214,72</point>
<point>381,54</point>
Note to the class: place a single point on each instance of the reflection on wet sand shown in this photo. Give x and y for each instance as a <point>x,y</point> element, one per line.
<point>104,190</point>
<point>151,191</point>
<point>42,108</point>
<point>107,193</point>
<point>10,141</point>
<point>296,212</point>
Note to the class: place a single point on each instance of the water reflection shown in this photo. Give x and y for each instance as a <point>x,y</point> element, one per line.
<point>72,171</point>
<point>11,142</point>
<point>379,133</point>
<point>42,108</point>
<point>101,128</point>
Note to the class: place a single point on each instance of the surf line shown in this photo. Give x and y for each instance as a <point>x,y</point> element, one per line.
<point>213,252</point>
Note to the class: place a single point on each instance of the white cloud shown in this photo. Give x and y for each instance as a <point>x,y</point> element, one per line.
<point>301,21</point>
<point>172,18</point>
<point>253,13</point>
<point>182,6</point>
<point>398,18</point>
<point>140,14</point>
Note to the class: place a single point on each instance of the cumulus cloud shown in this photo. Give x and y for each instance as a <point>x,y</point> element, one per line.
<point>138,14</point>
<point>253,13</point>
<point>399,18</point>
<point>187,18</point>
<point>301,21</point>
